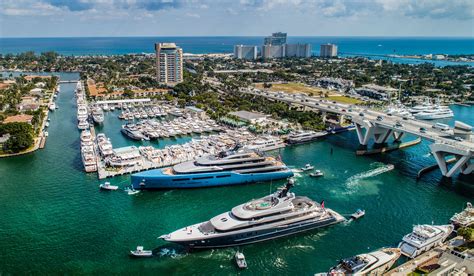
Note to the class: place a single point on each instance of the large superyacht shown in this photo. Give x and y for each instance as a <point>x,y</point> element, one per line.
<point>214,170</point>
<point>305,136</point>
<point>276,215</point>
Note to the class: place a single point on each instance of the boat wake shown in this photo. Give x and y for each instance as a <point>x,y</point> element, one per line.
<point>355,179</point>
<point>169,252</point>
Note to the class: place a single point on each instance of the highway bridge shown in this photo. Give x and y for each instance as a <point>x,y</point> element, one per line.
<point>379,127</point>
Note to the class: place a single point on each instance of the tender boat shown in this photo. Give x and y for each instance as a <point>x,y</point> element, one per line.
<point>131,191</point>
<point>240,260</point>
<point>307,167</point>
<point>52,106</point>
<point>358,214</point>
<point>423,238</point>
<point>107,186</point>
<point>277,215</point>
<point>139,252</point>
<point>373,263</point>
<point>316,173</point>
<point>45,134</point>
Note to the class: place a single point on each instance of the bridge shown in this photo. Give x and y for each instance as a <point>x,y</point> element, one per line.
<point>379,127</point>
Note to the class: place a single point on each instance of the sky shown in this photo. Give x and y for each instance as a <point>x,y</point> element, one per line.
<point>79,18</point>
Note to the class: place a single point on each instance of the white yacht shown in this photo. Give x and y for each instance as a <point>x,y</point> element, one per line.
<point>465,218</point>
<point>98,115</point>
<point>105,107</point>
<point>105,146</point>
<point>373,263</point>
<point>83,125</point>
<point>267,143</point>
<point>82,112</point>
<point>399,110</point>
<point>277,215</point>
<point>435,113</point>
<point>88,158</point>
<point>52,106</point>
<point>305,136</point>
<point>423,238</point>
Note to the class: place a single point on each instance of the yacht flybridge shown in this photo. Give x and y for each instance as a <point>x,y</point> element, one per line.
<point>423,238</point>
<point>279,214</point>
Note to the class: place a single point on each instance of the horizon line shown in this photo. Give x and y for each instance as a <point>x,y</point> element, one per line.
<point>256,36</point>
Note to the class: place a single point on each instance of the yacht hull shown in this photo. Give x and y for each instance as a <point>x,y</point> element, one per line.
<point>254,236</point>
<point>156,179</point>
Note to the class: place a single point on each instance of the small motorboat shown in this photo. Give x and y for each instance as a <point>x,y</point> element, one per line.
<point>107,186</point>
<point>139,252</point>
<point>132,191</point>
<point>47,124</point>
<point>307,167</point>
<point>316,173</point>
<point>45,134</point>
<point>240,260</point>
<point>358,214</point>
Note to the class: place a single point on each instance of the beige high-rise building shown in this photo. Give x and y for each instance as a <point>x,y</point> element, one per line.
<point>169,63</point>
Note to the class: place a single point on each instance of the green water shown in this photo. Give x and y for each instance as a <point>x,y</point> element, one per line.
<point>53,218</point>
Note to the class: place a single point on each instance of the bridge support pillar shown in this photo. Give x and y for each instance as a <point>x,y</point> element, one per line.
<point>462,163</point>
<point>369,131</point>
<point>382,137</point>
<point>397,136</point>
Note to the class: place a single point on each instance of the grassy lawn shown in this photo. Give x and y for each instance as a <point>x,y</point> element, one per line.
<point>343,99</point>
<point>293,87</point>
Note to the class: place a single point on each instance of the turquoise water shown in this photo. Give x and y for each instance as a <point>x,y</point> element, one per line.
<point>53,217</point>
<point>371,46</point>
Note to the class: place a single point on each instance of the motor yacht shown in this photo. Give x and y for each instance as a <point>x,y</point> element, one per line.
<point>264,144</point>
<point>373,263</point>
<point>133,132</point>
<point>52,106</point>
<point>305,136</point>
<point>225,168</point>
<point>83,124</point>
<point>434,114</point>
<point>98,115</point>
<point>465,218</point>
<point>104,144</point>
<point>423,238</point>
<point>276,215</point>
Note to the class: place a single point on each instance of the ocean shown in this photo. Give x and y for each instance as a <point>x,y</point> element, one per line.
<point>55,220</point>
<point>372,47</point>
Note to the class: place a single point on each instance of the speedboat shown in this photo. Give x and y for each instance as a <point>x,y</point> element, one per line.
<point>240,260</point>
<point>307,167</point>
<point>423,238</point>
<point>316,173</point>
<point>107,186</point>
<point>277,215</point>
<point>139,252</point>
<point>358,214</point>
<point>131,191</point>
<point>373,263</point>
<point>52,106</point>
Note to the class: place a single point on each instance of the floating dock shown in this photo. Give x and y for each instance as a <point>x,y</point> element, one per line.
<point>433,167</point>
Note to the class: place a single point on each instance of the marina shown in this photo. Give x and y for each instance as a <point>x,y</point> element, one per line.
<point>346,186</point>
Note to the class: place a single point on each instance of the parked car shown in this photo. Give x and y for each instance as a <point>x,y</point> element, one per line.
<point>379,118</point>
<point>398,124</point>
<point>422,130</point>
<point>361,114</point>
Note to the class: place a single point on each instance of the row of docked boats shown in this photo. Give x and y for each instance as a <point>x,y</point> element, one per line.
<point>423,111</point>
<point>142,113</point>
<point>88,150</point>
<point>154,129</point>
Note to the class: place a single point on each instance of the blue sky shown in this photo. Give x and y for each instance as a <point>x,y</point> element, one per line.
<point>57,18</point>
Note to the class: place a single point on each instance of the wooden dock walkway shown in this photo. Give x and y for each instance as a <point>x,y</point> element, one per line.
<point>42,142</point>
